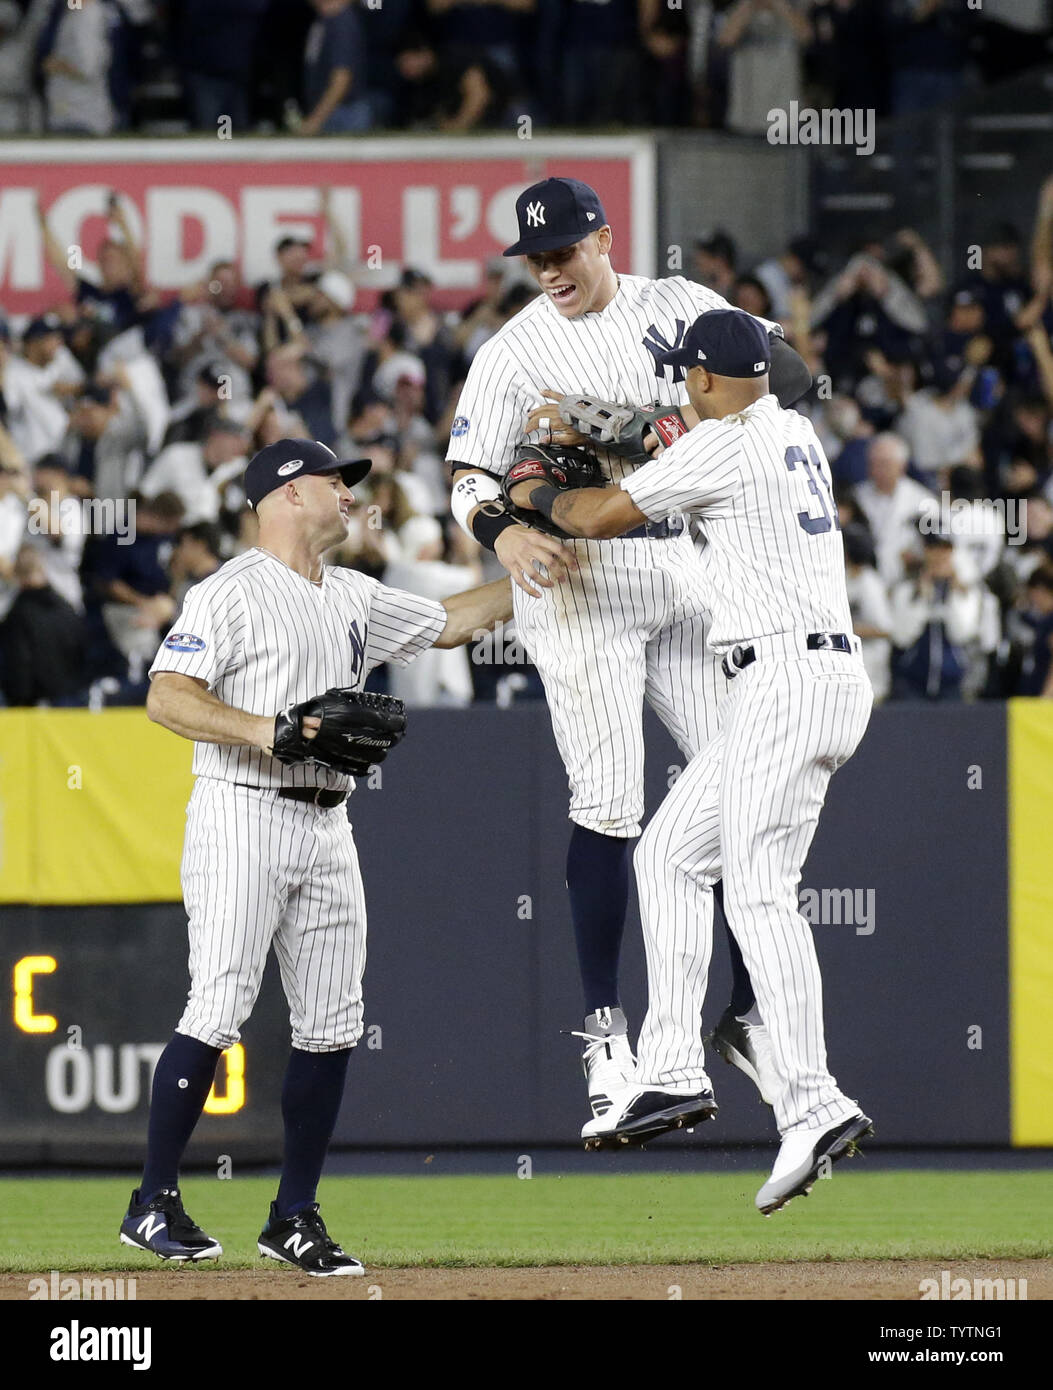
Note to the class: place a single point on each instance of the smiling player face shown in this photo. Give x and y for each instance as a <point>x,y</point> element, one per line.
<point>328,507</point>
<point>578,279</point>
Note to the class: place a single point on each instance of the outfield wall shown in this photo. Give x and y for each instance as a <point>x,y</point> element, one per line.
<point>936,943</point>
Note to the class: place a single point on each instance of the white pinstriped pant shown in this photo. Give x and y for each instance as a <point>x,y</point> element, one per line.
<point>628,625</point>
<point>259,870</point>
<point>746,810</point>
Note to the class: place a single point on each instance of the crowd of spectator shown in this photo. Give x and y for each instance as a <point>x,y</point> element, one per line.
<point>337,66</point>
<point>935,408</point>
<point>126,422</point>
<point>933,400</point>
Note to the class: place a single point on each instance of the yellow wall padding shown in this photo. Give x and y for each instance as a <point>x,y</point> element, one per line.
<point>91,807</point>
<point>17,795</point>
<point>1031,919</point>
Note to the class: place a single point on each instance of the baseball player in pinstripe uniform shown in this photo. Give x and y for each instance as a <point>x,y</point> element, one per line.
<point>269,856</point>
<point>626,620</point>
<point>799,700</point>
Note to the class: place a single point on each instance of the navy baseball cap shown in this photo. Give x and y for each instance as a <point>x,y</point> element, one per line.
<point>292,458</point>
<point>727,342</point>
<point>41,326</point>
<point>96,394</point>
<point>555,213</point>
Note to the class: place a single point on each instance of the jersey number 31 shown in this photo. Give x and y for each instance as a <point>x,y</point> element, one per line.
<point>817,484</point>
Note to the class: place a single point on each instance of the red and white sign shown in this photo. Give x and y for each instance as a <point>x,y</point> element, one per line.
<point>442,205</point>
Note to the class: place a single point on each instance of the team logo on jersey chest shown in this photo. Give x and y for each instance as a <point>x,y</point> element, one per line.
<point>185,642</point>
<point>461,425</point>
<point>656,344</point>
<point>358,647</point>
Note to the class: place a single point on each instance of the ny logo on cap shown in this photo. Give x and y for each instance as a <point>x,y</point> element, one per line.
<point>536,215</point>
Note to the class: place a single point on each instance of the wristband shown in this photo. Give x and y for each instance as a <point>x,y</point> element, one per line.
<point>489,521</point>
<point>543,498</point>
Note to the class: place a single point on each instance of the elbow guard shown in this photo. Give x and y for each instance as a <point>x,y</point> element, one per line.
<point>480,490</point>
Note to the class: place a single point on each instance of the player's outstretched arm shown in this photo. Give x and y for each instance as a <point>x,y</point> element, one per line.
<point>594,513</point>
<point>187,707</point>
<point>475,611</point>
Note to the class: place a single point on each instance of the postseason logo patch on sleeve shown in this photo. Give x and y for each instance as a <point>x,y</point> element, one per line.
<point>460,426</point>
<point>184,642</point>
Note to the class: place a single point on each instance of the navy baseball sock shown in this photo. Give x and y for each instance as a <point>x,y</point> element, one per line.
<point>311,1096</point>
<point>598,879</point>
<point>742,996</point>
<point>182,1080</point>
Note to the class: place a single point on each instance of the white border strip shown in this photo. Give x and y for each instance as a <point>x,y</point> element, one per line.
<point>284,150</point>
<point>643,194</point>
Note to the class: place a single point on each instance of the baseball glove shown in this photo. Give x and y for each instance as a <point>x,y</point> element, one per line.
<point>358,730</point>
<point>621,429</point>
<point>563,466</point>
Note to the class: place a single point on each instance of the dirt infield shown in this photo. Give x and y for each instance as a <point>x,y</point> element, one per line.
<point>840,1280</point>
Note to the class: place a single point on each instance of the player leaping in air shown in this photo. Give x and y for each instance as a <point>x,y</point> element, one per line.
<point>746,808</point>
<point>627,620</point>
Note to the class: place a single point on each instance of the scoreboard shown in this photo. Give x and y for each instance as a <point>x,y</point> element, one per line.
<point>92,997</point>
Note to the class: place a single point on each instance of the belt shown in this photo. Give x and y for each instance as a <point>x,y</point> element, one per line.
<point>656,530</point>
<point>315,796</point>
<point>787,644</point>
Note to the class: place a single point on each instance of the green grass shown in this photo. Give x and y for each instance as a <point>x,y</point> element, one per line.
<point>71,1224</point>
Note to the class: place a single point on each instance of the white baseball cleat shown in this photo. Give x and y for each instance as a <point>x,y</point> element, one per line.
<point>801,1158</point>
<point>747,1045</point>
<point>607,1060</point>
<point>642,1113</point>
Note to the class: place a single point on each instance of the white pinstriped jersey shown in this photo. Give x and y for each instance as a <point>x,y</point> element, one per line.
<point>264,637</point>
<point>760,484</point>
<point>629,623</point>
<point>611,354</point>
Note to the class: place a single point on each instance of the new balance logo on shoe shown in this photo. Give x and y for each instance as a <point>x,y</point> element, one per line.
<point>163,1227</point>
<point>150,1225</point>
<point>302,1240</point>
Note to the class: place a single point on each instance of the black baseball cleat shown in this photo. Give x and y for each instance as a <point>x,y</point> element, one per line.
<point>801,1158</point>
<point>639,1115</point>
<point>162,1227</point>
<point>303,1241</point>
<point>747,1046</point>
